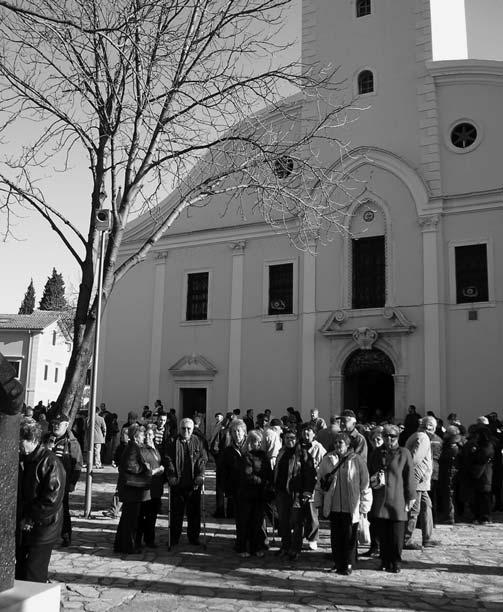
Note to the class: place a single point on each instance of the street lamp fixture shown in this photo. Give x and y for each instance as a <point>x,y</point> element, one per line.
<point>103,224</point>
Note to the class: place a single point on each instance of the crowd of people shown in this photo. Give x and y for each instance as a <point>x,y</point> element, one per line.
<point>372,481</point>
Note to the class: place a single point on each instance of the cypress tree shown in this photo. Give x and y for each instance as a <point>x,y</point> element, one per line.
<point>28,303</point>
<point>54,293</point>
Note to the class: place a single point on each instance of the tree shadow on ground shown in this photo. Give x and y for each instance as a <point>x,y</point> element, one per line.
<point>334,591</point>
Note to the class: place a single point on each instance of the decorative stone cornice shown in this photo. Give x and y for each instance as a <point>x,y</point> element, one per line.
<point>429,223</point>
<point>380,321</point>
<point>193,366</point>
<point>238,247</point>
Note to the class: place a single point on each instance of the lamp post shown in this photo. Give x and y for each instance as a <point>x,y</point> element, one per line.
<point>102,224</point>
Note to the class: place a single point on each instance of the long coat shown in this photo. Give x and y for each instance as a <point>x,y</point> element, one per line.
<point>389,501</point>
<point>41,489</point>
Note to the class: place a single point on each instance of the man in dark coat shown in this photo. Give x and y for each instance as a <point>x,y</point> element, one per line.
<point>185,460</point>
<point>39,506</point>
<point>67,448</point>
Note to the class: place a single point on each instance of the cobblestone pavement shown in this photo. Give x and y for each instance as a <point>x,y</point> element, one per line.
<point>464,573</point>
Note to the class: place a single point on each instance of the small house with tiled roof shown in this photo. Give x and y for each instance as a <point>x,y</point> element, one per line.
<point>38,346</point>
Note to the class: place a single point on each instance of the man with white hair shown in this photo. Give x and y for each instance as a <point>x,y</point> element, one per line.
<point>419,446</point>
<point>185,460</point>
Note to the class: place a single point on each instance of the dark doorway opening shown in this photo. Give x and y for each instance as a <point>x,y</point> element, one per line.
<point>369,386</point>
<point>193,402</point>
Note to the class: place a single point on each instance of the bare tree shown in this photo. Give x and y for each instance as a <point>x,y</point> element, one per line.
<point>156,93</point>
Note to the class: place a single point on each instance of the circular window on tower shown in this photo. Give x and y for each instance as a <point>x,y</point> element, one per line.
<point>463,136</point>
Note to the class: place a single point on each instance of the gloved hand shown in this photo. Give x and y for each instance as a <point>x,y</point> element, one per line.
<point>198,482</point>
<point>172,481</point>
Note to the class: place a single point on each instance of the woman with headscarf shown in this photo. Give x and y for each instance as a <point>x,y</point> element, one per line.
<point>394,491</point>
<point>134,488</point>
<point>343,493</point>
<point>151,507</point>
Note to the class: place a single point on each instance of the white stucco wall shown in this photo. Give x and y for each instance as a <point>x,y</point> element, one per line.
<point>54,356</point>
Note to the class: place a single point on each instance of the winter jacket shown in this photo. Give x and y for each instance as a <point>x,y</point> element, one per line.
<point>231,468</point>
<point>436,449</point>
<point>400,484</point>
<point>67,449</point>
<point>255,482</point>
<point>175,456</point>
<point>100,430</point>
<point>358,444</point>
<point>419,446</point>
<point>41,488</point>
<point>301,478</point>
<point>476,469</point>
<point>354,469</point>
<point>271,444</point>
<point>132,462</point>
<point>152,457</point>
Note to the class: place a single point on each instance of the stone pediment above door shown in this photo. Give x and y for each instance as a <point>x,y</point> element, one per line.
<point>365,327</point>
<point>193,366</point>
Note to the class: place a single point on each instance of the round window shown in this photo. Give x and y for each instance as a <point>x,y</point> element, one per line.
<point>463,135</point>
<point>283,166</point>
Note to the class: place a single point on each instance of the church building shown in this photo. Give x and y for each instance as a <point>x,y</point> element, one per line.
<point>404,307</point>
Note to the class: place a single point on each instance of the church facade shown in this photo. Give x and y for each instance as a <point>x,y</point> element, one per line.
<point>404,307</point>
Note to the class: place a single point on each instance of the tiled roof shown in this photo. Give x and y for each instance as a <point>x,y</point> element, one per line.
<point>40,319</point>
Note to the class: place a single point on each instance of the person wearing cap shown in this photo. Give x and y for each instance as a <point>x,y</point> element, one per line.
<point>326,437</point>
<point>317,423</point>
<point>419,445</point>
<point>67,448</point>
<point>357,440</point>
<point>41,487</point>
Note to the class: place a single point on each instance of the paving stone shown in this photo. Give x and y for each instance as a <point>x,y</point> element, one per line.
<point>460,575</point>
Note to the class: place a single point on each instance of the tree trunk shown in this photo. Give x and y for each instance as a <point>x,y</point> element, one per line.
<point>70,397</point>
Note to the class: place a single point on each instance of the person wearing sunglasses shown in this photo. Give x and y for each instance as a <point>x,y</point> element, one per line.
<point>394,492</point>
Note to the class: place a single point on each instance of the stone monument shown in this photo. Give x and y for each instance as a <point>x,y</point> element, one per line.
<point>11,401</point>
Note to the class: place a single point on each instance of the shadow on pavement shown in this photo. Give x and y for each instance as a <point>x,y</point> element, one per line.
<point>286,591</point>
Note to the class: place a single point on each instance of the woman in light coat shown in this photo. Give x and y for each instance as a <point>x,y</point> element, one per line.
<point>343,493</point>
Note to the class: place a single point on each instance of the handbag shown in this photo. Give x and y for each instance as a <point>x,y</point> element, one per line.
<point>138,481</point>
<point>363,530</point>
<point>378,480</point>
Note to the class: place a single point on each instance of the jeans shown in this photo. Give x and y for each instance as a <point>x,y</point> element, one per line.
<point>422,509</point>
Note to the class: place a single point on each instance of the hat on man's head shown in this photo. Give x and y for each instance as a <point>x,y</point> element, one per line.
<point>275,423</point>
<point>60,418</point>
<point>348,413</point>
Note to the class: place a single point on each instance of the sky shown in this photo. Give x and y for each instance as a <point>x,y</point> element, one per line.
<point>37,249</point>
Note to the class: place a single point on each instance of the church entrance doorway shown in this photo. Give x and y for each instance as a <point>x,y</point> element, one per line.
<point>369,386</point>
<point>193,403</point>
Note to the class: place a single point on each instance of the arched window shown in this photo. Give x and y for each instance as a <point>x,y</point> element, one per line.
<point>365,82</point>
<point>363,7</point>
